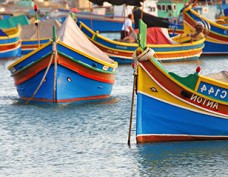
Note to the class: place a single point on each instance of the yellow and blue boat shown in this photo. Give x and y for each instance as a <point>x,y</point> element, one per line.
<point>175,108</point>
<point>68,68</point>
<point>166,48</point>
<point>216,42</point>
<point>10,42</point>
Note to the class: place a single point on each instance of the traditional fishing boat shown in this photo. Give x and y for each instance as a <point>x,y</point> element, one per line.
<point>68,68</point>
<point>175,108</point>
<point>36,34</point>
<point>216,34</point>
<point>10,42</point>
<point>166,48</point>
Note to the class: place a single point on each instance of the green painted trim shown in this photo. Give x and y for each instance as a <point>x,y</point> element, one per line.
<point>188,81</point>
<point>25,67</point>
<point>83,64</point>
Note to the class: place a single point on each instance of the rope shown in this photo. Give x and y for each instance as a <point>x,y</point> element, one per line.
<point>137,56</point>
<point>55,71</point>
<point>54,55</point>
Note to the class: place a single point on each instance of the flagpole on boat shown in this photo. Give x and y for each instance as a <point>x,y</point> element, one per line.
<point>91,20</point>
<point>37,24</point>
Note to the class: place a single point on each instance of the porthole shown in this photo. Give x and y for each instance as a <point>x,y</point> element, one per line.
<point>69,79</point>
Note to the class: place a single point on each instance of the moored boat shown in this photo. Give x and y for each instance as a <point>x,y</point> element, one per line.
<point>166,48</point>
<point>216,42</point>
<point>68,68</point>
<point>175,108</point>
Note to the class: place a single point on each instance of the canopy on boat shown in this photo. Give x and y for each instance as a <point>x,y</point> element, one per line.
<point>70,34</point>
<point>157,35</point>
<point>118,2</point>
<point>149,20</point>
<point>45,31</point>
<point>13,21</point>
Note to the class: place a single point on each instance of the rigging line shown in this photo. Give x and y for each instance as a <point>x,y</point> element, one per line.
<point>91,19</point>
<point>55,77</point>
<point>42,80</point>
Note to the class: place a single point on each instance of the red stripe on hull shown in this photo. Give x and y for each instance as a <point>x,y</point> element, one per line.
<point>87,72</point>
<point>177,90</point>
<point>170,138</point>
<point>32,70</point>
<point>31,46</point>
<point>10,46</point>
<point>211,34</point>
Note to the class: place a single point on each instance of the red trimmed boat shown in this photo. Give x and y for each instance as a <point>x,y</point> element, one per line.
<point>216,42</point>
<point>69,68</point>
<point>10,42</point>
<point>175,108</point>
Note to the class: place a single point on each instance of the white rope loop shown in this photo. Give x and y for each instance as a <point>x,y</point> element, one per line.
<point>144,56</point>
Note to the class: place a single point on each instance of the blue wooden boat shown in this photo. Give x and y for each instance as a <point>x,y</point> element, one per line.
<point>10,42</point>
<point>175,108</point>
<point>69,68</point>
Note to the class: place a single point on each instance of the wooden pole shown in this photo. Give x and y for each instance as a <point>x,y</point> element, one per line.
<point>37,24</point>
<point>132,109</point>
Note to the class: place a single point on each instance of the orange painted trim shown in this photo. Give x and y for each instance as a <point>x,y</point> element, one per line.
<point>170,138</point>
<point>10,46</point>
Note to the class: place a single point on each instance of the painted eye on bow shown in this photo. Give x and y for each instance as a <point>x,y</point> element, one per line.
<point>153,89</point>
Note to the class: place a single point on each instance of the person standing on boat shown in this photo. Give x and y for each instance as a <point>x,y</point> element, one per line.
<point>127,28</point>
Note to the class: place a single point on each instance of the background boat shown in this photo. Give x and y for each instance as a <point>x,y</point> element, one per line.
<point>216,42</point>
<point>10,42</point>
<point>36,34</point>
<point>166,49</point>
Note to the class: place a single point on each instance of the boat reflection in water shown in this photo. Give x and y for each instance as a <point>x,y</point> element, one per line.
<point>201,158</point>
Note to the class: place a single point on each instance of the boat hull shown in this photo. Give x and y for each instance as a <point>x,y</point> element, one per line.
<point>70,87</point>
<point>169,111</point>
<point>175,123</point>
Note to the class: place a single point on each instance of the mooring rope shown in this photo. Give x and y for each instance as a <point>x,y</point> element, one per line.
<point>54,55</point>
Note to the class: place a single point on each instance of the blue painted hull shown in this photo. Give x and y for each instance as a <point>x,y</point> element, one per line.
<point>70,86</point>
<point>28,46</point>
<point>175,121</point>
<point>11,54</point>
<point>215,48</point>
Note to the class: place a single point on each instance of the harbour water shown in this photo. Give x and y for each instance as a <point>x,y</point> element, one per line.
<point>90,140</point>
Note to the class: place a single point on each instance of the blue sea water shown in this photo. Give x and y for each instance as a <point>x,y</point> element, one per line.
<point>90,140</point>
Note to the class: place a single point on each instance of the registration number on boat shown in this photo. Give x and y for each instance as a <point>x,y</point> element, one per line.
<point>213,91</point>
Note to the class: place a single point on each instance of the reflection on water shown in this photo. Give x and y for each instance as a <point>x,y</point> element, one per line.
<point>203,158</point>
